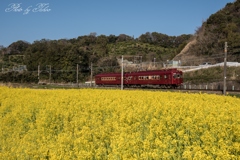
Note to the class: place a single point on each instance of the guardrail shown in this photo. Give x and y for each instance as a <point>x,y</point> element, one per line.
<point>209,87</point>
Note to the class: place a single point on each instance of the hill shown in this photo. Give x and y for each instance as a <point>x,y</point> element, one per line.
<point>207,45</point>
<point>65,59</point>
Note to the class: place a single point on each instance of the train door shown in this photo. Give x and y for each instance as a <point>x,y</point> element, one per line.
<point>128,79</point>
<point>170,78</point>
<point>177,78</point>
<point>166,78</point>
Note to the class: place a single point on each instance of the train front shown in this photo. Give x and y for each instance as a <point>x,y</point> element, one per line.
<point>177,78</point>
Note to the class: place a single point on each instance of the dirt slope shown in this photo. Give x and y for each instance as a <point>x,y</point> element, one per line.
<point>184,56</point>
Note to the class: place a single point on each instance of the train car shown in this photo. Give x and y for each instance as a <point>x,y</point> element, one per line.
<point>166,78</point>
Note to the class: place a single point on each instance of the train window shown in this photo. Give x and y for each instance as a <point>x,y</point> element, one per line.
<point>108,78</point>
<point>165,76</point>
<point>176,76</point>
<point>143,77</point>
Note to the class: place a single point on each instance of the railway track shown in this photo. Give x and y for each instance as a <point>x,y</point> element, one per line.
<point>210,91</point>
<point>55,86</point>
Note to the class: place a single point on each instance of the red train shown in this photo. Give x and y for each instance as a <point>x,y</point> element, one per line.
<point>167,78</point>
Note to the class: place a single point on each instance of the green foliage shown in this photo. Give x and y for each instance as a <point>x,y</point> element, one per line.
<point>63,55</point>
<point>214,74</point>
<point>164,40</point>
<point>18,77</point>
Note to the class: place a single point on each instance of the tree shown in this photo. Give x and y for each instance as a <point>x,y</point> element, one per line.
<point>18,47</point>
<point>112,38</point>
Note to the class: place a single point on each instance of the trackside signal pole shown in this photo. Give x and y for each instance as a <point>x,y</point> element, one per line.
<point>225,69</point>
<point>122,75</point>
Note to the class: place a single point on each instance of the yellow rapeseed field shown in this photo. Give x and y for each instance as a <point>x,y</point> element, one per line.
<point>117,125</point>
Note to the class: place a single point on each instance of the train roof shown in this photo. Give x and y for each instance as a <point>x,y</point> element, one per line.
<point>141,72</point>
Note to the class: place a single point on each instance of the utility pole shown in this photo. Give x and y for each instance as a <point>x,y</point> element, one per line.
<point>38,72</point>
<point>141,63</point>
<point>122,75</point>
<point>77,74</point>
<point>225,70</point>
<point>91,75</point>
<point>50,74</point>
